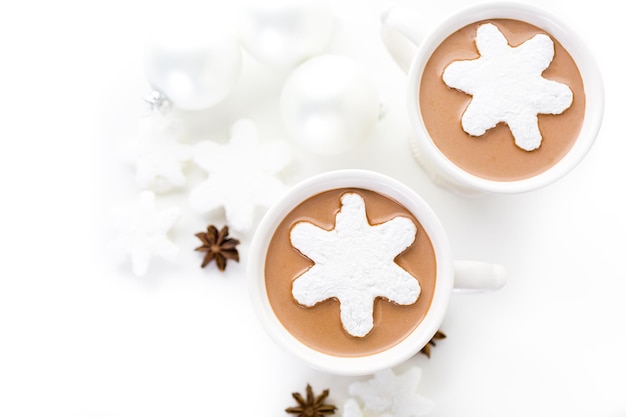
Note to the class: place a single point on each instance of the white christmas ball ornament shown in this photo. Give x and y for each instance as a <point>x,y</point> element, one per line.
<point>194,69</point>
<point>283,33</point>
<point>328,104</point>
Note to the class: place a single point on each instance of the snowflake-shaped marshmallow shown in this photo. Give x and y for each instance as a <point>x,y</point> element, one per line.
<point>157,154</point>
<point>354,263</point>
<point>391,395</point>
<point>143,232</point>
<point>241,175</point>
<point>506,86</point>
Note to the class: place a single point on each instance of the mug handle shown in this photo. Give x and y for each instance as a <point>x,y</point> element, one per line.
<point>472,276</point>
<point>401,32</point>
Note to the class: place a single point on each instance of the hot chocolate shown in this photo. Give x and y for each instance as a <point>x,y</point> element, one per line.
<point>494,154</point>
<point>320,326</point>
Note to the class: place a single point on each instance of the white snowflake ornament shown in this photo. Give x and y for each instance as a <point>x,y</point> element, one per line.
<point>391,395</point>
<point>506,86</point>
<point>143,232</point>
<point>241,175</point>
<point>157,154</point>
<point>354,263</point>
<point>351,408</point>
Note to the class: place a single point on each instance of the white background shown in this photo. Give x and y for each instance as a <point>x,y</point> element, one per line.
<point>81,336</point>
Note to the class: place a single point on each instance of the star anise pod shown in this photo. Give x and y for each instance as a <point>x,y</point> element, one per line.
<point>426,349</point>
<point>312,406</point>
<point>218,246</point>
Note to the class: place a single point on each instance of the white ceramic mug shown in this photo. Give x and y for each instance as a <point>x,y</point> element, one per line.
<point>403,34</point>
<point>450,275</point>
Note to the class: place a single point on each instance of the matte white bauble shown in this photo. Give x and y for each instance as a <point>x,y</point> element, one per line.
<point>283,33</point>
<point>194,69</point>
<point>329,104</point>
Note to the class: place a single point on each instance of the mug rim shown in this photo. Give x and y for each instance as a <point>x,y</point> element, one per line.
<point>386,186</point>
<point>586,64</point>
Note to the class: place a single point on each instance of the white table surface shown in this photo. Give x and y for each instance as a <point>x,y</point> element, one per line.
<point>80,336</point>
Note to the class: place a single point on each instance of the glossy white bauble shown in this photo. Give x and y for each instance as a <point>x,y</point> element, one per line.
<point>283,33</point>
<point>329,104</point>
<point>194,69</point>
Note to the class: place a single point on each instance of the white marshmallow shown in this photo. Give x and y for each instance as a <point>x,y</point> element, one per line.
<point>506,86</point>
<point>354,263</point>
